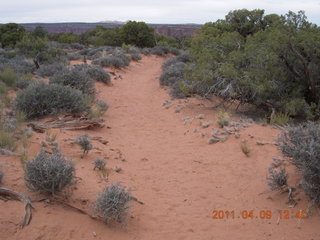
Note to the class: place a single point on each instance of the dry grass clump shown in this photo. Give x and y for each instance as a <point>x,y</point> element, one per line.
<point>245,148</point>
<point>223,119</point>
<point>84,142</point>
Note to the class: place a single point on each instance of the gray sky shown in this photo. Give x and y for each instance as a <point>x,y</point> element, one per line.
<point>150,11</point>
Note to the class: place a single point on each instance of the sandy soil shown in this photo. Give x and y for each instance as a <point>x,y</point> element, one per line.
<point>168,164</point>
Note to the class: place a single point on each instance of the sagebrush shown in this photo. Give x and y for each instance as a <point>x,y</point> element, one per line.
<point>113,203</point>
<point>49,173</point>
<point>40,99</point>
<point>302,145</point>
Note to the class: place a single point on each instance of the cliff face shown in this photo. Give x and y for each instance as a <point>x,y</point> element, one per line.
<point>176,30</point>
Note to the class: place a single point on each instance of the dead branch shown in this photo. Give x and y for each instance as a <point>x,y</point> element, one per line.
<point>20,197</point>
<point>68,122</point>
<point>100,140</point>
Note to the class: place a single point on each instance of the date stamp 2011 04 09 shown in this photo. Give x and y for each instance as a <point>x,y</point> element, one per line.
<point>259,214</point>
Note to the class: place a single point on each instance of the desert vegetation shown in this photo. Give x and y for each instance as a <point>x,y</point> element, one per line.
<point>54,85</point>
<point>49,173</point>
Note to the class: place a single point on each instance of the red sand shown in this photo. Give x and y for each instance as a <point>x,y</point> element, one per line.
<point>180,177</point>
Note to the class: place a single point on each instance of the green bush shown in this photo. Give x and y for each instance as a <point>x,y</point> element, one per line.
<point>172,74</point>
<point>40,99</point>
<point>9,77</point>
<point>264,60</point>
<point>7,141</point>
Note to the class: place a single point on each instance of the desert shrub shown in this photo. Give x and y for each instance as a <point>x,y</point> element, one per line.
<point>96,73</point>
<point>48,70</point>
<point>74,56</point>
<point>167,63</point>
<point>22,83</point>
<point>7,141</point>
<point>4,99</point>
<point>1,176</point>
<point>302,145</point>
<point>98,109</point>
<point>279,119</point>
<point>75,79</point>
<point>146,51</point>
<point>184,56</point>
<point>10,125</point>
<point>84,51</point>
<point>298,107</point>
<point>102,105</point>
<point>77,46</point>
<point>159,50</point>
<point>117,61</point>
<point>9,77</point>
<point>135,56</point>
<point>84,142</point>
<point>112,203</point>
<point>18,64</point>
<point>99,164</point>
<point>223,119</point>
<point>278,177</point>
<point>40,99</point>
<point>181,89</point>
<point>174,51</point>
<point>172,74</point>
<point>49,173</point>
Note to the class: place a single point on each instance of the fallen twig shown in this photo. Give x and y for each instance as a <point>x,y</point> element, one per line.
<point>20,197</point>
<point>68,122</point>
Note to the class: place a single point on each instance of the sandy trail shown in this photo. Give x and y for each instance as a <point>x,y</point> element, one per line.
<point>180,177</point>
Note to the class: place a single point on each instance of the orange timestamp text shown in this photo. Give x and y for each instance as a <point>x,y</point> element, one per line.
<point>259,214</point>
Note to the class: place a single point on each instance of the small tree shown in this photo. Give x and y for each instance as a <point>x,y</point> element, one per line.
<point>10,34</point>
<point>138,34</point>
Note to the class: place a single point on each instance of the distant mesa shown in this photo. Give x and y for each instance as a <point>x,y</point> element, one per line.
<point>172,30</point>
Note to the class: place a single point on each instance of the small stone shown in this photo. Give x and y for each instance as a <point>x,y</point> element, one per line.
<point>205,124</point>
<point>178,109</point>
<point>213,140</point>
<point>187,120</point>
<point>237,135</point>
<point>167,104</point>
<point>223,139</point>
<point>261,143</point>
<point>200,116</point>
<point>94,234</point>
<point>215,132</point>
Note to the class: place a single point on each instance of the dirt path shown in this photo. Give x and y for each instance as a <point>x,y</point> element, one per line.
<point>167,164</point>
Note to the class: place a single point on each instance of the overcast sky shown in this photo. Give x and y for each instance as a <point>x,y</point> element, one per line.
<point>150,11</point>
